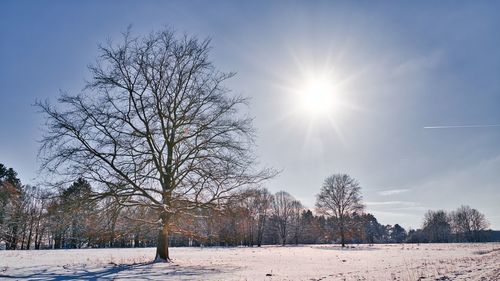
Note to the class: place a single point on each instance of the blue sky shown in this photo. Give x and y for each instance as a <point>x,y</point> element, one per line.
<point>399,67</point>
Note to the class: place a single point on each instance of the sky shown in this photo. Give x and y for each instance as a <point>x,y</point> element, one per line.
<point>415,108</point>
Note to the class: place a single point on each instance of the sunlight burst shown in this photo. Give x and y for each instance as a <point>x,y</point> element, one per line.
<point>317,96</point>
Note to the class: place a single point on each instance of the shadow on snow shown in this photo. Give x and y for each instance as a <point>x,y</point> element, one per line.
<point>143,271</point>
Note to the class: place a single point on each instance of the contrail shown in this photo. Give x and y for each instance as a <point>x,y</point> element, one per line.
<point>462,126</point>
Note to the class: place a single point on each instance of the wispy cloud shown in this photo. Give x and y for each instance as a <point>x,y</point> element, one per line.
<point>405,207</point>
<point>396,214</point>
<point>393,203</point>
<point>410,208</point>
<point>389,192</point>
<point>419,63</point>
<point>462,126</point>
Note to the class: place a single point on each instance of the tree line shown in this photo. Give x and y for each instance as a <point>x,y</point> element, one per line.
<point>71,217</point>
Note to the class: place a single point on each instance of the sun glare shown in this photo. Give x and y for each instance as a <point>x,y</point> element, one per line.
<point>317,96</point>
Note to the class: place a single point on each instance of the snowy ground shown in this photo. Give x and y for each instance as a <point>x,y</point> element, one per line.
<point>316,262</point>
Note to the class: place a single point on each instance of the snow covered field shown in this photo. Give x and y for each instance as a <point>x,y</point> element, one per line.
<point>308,262</point>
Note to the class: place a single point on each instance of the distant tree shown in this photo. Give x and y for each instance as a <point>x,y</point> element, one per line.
<point>354,226</point>
<point>283,210</point>
<point>296,221</point>
<point>262,205</point>
<point>462,223</point>
<point>247,215</point>
<point>468,223</point>
<point>10,188</point>
<point>398,234</point>
<point>11,207</point>
<point>9,175</point>
<point>29,214</point>
<point>437,226</point>
<point>38,215</point>
<point>479,224</point>
<point>154,127</point>
<point>233,227</point>
<point>374,231</point>
<point>310,227</point>
<point>416,236</point>
<point>22,210</point>
<point>340,197</point>
<point>77,208</point>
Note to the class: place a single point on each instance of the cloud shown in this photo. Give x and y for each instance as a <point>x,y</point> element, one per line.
<point>393,203</point>
<point>389,192</point>
<point>396,214</point>
<point>419,63</point>
<point>401,207</point>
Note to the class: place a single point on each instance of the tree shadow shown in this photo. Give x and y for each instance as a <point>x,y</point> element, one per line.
<point>143,271</point>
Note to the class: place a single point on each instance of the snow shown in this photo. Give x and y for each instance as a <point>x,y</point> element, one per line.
<point>306,262</point>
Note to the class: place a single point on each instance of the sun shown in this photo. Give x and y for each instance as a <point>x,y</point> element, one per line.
<point>317,97</point>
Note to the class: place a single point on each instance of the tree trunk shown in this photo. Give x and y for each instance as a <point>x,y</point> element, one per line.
<point>23,238</point>
<point>162,247</point>
<point>283,234</point>
<point>38,241</point>
<point>259,239</point>
<point>13,240</point>
<point>37,233</point>
<point>342,231</point>
<point>32,226</point>
<point>30,233</point>
<point>136,240</point>
<point>342,235</point>
<point>57,241</point>
<point>260,232</point>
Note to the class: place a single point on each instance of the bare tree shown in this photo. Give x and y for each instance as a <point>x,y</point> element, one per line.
<point>248,218</point>
<point>340,197</point>
<point>154,127</point>
<point>479,223</point>
<point>462,223</point>
<point>257,202</point>
<point>296,221</point>
<point>282,213</point>
<point>437,226</point>
<point>469,223</point>
<point>262,205</point>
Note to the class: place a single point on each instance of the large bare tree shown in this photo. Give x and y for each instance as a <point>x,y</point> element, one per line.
<point>340,197</point>
<point>154,127</point>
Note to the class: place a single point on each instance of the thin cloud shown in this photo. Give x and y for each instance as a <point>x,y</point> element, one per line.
<point>462,126</point>
<point>389,192</point>
<point>393,203</point>
<point>410,208</point>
